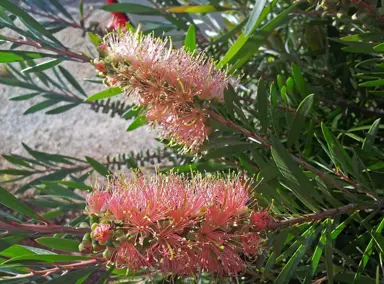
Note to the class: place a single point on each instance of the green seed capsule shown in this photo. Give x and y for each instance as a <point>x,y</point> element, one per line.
<point>94,226</point>
<point>84,225</point>
<point>87,237</point>
<point>107,254</point>
<point>94,219</point>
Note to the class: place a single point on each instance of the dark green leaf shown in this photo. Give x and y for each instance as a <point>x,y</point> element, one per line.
<point>61,109</point>
<point>46,258</point>
<point>98,167</point>
<point>24,97</point>
<point>40,106</point>
<point>370,139</point>
<point>299,120</point>
<point>197,9</point>
<point>253,21</point>
<point>26,17</point>
<point>300,185</point>
<point>299,81</point>
<point>59,244</point>
<point>20,84</point>
<point>262,104</point>
<point>10,201</point>
<point>72,80</point>
<point>42,66</point>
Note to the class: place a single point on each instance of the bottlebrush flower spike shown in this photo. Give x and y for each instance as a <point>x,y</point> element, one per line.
<point>172,84</point>
<point>175,225</point>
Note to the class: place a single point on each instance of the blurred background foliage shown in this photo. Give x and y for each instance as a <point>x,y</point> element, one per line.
<point>311,84</point>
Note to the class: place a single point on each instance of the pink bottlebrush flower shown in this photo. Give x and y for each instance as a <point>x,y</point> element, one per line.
<point>97,201</point>
<point>128,256</point>
<point>101,233</point>
<point>250,243</point>
<point>261,220</point>
<point>177,225</point>
<point>167,82</point>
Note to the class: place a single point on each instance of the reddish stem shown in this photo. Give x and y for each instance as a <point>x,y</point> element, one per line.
<point>42,229</point>
<point>330,213</point>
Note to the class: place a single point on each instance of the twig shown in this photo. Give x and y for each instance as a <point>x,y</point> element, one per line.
<point>264,143</point>
<point>42,229</point>
<point>67,53</point>
<point>321,215</point>
<point>65,267</point>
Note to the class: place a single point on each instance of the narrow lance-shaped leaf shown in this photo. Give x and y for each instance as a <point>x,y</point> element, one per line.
<point>299,119</point>
<point>9,200</point>
<point>105,94</point>
<point>299,81</point>
<point>190,39</point>
<point>42,66</point>
<point>262,104</point>
<point>370,139</point>
<point>72,80</point>
<point>98,167</point>
<point>59,244</point>
<point>254,17</point>
<point>300,185</point>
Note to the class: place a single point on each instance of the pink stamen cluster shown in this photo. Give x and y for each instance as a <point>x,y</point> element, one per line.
<point>179,226</point>
<point>168,82</point>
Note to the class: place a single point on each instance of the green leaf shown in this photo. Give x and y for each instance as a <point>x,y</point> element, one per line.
<point>131,9</point>
<point>228,151</point>
<point>49,258</point>
<point>253,22</point>
<point>42,66</point>
<point>367,253</point>
<point>16,160</point>
<point>7,56</point>
<point>95,39</point>
<point>374,83</point>
<point>197,9</point>
<point>379,47</point>
<point>299,183</point>
<point>62,10</point>
<point>24,97</point>
<point>40,106</point>
<point>61,109</point>
<point>73,184</point>
<point>105,94</point>
<point>370,138</point>
<point>59,244</point>
<point>72,277</point>
<point>19,250</point>
<point>139,121</point>
<point>287,271</point>
<point>26,17</point>
<point>72,80</point>
<point>98,167</point>
<point>242,39</point>
<point>10,201</point>
<point>299,81</point>
<point>338,155</point>
<point>190,39</point>
<point>299,120</point>
<point>20,84</point>
<point>262,104</point>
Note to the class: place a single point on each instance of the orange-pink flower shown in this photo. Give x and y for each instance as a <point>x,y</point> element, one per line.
<point>167,82</point>
<point>177,225</point>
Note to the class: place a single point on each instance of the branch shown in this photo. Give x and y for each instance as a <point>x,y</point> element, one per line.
<point>330,213</point>
<point>42,229</point>
<point>268,145</point>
